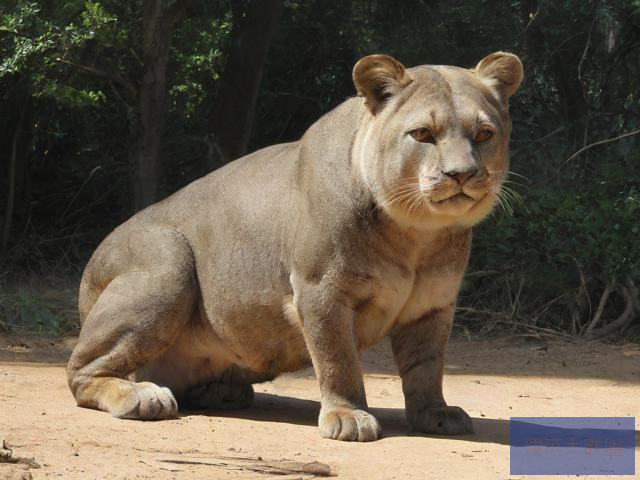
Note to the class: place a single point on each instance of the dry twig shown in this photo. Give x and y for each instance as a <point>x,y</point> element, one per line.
<point>595,144</point>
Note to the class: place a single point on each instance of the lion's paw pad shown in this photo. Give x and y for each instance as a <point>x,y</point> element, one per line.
<point>340,423</point>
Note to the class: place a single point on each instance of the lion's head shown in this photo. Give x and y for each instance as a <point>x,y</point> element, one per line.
<point>433,147</point>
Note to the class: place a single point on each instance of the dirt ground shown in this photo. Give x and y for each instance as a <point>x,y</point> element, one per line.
<point>278,438</point>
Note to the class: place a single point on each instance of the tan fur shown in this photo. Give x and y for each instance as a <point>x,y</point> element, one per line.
<point>306,253</point>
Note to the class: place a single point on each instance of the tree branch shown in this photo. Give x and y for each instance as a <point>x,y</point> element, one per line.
<point>598,315</point>
<point>595,144</point>
<point>586,48</point>
<point>622,321</point>
<point>102,74</point>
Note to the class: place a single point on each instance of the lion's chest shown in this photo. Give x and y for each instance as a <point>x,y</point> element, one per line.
<point>404,297</point>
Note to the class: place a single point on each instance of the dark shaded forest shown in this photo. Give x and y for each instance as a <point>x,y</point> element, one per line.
<point>107,106</point>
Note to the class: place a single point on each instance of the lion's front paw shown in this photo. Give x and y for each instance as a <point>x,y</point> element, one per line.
<point>145,401</point>
<point>341,423</point>
<point>442,421</point>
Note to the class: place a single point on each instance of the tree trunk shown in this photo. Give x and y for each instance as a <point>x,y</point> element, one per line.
<point>231,118</point>
<point>562,68</point>
<point>158,24</point>
<point>11,177</point>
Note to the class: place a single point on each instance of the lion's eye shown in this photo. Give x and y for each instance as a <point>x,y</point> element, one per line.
<point>483,135</point>
<point>422,135</point>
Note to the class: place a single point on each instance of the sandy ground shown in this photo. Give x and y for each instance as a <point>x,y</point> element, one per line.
<point>276,437</point>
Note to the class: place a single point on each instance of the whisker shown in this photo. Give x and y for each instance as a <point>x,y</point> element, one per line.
<point>502,199</point>
<point>499,200</point>
<point>515,196</point>
<point>510,200</point>
<point>417,199</point>
<point>506,206</point>
<point>512,182</point>
<point>506,173</point>
<point>398,198</point>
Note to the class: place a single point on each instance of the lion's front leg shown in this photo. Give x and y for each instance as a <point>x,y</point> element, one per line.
<point>328,330</point>
<point>419,349</point>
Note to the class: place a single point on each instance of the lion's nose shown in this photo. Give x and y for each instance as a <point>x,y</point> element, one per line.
<point>461,176</point>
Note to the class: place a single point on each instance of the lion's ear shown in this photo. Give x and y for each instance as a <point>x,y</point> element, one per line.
<point>377,77</point>
<point>502,71</point>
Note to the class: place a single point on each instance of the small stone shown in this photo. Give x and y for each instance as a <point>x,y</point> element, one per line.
<point>317,468</point>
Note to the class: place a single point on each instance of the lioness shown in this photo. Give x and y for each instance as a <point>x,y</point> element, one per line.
<point>307,252</point>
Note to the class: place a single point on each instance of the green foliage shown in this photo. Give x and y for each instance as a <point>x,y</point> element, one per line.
<point>32,37</point>
<point>25,312</point>
<point>563,235</point>
<point>46,41</point>
<point>197,62</point>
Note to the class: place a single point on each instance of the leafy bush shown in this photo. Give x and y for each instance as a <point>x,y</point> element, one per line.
<point>25,312</point>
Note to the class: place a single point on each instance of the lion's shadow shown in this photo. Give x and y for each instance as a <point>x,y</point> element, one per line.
<point>275,408</point>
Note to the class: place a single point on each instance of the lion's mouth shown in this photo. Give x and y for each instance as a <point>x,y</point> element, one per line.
<point>459,197</point>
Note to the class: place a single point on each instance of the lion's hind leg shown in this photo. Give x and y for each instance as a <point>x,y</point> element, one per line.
<point>134,320</point>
